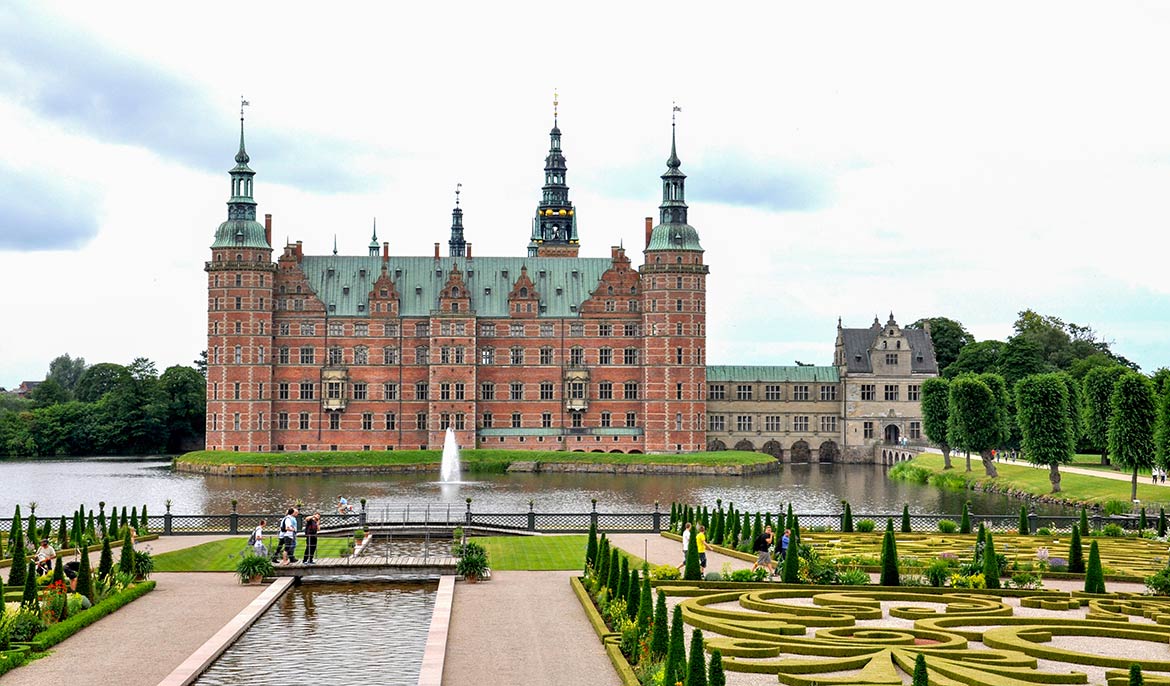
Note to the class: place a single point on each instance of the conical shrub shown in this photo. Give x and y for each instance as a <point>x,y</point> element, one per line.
<point>58,573</point>
<point>85,578</point>
<point>633,595</point>
<point>1094,574</point>
<point>62,534</point>
<point>990,562</point>
<point>1076,556</point>
<point>19,559</point>
<point>591,546</point>
<point>645,606</point>
<point>692,571</point>
<point>676,656</point>
<point>792,561</point>
<point>847,520</point>
<point>905,519</point>
<point>126,561</point>
<point>660,635</point>
<point>1161,522</point>
<point>889,576</point>
<point>1135,675</point>
<point>615,565</point>
<point>623,580</point>
<point>1022,528</point>
<point>143,523</point>
<point>965,522</point>
<point>715,676</point>
<point>1143,523</point>
<point>106,562</point>
<point>28,599</point>
<point>1085,522</point>
<point>15,532</point>
<point>920,678</point>
<point>697,665</point>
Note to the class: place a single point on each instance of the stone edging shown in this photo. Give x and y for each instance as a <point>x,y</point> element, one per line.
<point>608,638</point>
<point>435,652</point>
<point>698,469</point>
<point>204,655</point>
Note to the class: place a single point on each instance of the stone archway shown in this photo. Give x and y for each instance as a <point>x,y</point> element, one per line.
<point>774,449</point>
<point>892,434</point>
<point>716,445</point>
<point>801,452</point>
<point>745,444</point>
<point>828,452</point>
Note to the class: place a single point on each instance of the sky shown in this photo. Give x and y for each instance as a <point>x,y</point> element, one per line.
<point>967,160</point>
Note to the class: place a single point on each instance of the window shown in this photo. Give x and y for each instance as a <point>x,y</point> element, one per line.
<point>631,419</point>
<point>576,356</point>
<point>892,359</point>
<point>577,420</point>
<point>772,422</point>
<point>239,355</point>
<point>546,419</point>
<point>516,391</point>
<point>828,393</point>
<point>631,356</point>
<point>444,420</point>
<point>282,421</point>
<point>239,327</point>
<point>460,391</point>
<point>515,420</point>
<point>678,425</point>
<point>460,421</point>
<point>359,390</point>
<point>333,390</point>
<point>336,329</point>
<point>516,356</point>
<point>304,421</point>
<point>444,394</point>
<point>576,328</point>
<point>631,329</point>
<point>915,432</point>
<point>420,390</point>
<point>743,422</point>
<point>914,392</point>
<point>487,420</point>
<point>308,329</point>
<point>422,355</point>
<point>306,390</point>
<point>444,355</point>
<point>546,390</point>
<point>743,392</point>
<point>678,391</point>
<point>361,329</point>
<point>716,422</point>
<point>546,330</point>
<point>282,391</point>
<point>678,355</point>
<point>800,392</point>
<point>236,390</point>
<point>606,419</point>
<point>605,330</point>
<point>361,355</point>
<point>282,355</point>
<point>891,392</point>
<point>390,355</point>
<point>630,392</point>
<point>576,390</point>
<point>390,330</point>
<point>487,391</point>
<point>445,328</point>
<point>516,330</point>
<point>678,329</point>
<point>546,355</point>
<point>239,301</point>
<point>772,392</point>
<point>390,391</point>
<point>800,423</point>
<point>716,391</point>
<point>487,329</point>
<point>422,329</point>
<point>605,390</point>
<point>391,421</point>
<point>367,421</point>
<point>605,356</point>
<point>829,424</point>
<point>260,354</point>
<point>867,429</point>
<point>487,356</point>
<point>335,356</point>
<point>868,391</point>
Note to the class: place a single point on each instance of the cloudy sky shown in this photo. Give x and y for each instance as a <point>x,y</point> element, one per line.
<point>844,159</point>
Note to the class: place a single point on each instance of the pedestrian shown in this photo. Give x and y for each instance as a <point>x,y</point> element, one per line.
<point>701,549</point>
<point>288,537</point>
<point>1163,473</point>
<point>784,543</point>
<point>762,547</point>
<point>45,557</point>
<point>686,540</point>
<point>257,540</point>
<point>312,524</point>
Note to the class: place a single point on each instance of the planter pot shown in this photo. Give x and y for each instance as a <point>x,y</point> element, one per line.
<point>471,578</point>
<point>255,579</point>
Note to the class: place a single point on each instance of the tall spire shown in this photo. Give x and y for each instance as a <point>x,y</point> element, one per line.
<point>374,240</point>
<point>555,225</point>
<point>241,230</point>
<point>457,247</point>
<point>673,209</point>
<point>334,244</point>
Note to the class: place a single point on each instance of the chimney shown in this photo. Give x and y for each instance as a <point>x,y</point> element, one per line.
<point>300,252</point>
<point>649,229</point>
<point>385,252</point>
<point>268,229</point>
<point>469,250</point>
<point>436,251</point>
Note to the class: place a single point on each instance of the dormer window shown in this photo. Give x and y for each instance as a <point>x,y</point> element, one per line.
<point>332,307</point>
<point>345,290</point>
<point>487,290</point>
<point>455,292</point>
<point>504,273</point>
<point>361,273</point>
<point>383,292</point>
<point>418,290</point>
<point>560,291</point>
<point>523,292</point>
<point>439,273</point>
<point>542,273</point>
<point>329,272</point>
<point>397,273</point>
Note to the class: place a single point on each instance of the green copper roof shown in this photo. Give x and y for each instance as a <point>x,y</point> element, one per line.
<point>419,280</point>
<point>674,237</point>
<point>774,374</point>
<point>249,231</point>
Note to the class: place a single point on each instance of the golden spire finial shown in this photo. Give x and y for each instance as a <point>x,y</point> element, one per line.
<point>555,105</point>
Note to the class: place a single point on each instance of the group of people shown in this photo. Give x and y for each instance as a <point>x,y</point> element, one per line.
<point>763,546</point>
<point>1001,455</point>
<point>286,539</point>
<point>44,558</point>
<point>1158,475</point>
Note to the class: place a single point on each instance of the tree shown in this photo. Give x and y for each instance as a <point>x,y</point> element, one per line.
<point>1021,357</point>
<point>906,519</point>
<point>633,594</point>
<point>645,606</point>
<point>28,599</point>
<point>1042,406</point>
<point>615,563</point>
<point>184,392</point>
<point>1131,424</point>
<point>106,562</point>
<point>965,523</point>
<point>66,371</point>
<point>921,676</point>
<point>126,561</point>
<point>1096,393</point>
<point>1135,675</point>
<point>935,393</point>
<point>1022,528</point>
<point>990,562</point>
<point>692,571</point>
<point>716,676</point>
<point>1074,404</point>
<point>1094,574</point>
<point>948,336</point>
<point>791,573</point>
<point>975,358</point>
<point>16,551</point>
<point>1161,379</point>
<point>591,546</point>
<point>49,393</point>
<point>889,576</point>
<point>84,578</point>
<point>676,665</point>
<point>976,419</point>
<point>846,520</point>
<point>697,665</point>
<point>100,379</point>
<point>660,636</point>
<point>201,363</point>
<point>1162,432</point>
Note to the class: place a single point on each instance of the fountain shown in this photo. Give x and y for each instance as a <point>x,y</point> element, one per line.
<point>449,470</point>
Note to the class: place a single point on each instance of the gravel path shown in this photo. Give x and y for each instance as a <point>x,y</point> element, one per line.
<point>659,550</point>
<point>523,628</point>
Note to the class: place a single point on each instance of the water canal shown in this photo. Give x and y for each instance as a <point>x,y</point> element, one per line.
<point>59,485</point>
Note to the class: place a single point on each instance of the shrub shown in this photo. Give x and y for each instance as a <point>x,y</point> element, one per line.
<point>866,526</point>
<point>965,522</point>
<point>1115,507</point>
<point>676,657</point>
<point>920,677</point>
<point>84,579</point>
<point>1094,575</point>
<point>1112,530</point>
<point>1023,526</point>
<point>1027,580</point>
<point>251,565</point>
<point>126,562</point>
<point>937,572</point>
<point>889,575</point>
<point>741,575</point>
<point>908,471</point>
<point>692,571</point>
<point>947,526</point>
<point>473,562</point>
<point>697,665</point>
<point>991,568</point>
<point>24,625</point>
<point>853,577</point>
<point>664,573</point>
<point>1076,557</point>
<point>847,520</point>
<point>1084,521</point>
<point>968,581</point>
<point>659,636</point>
<point>905,518</point>
<point>1043,531</point>
<point>1135,675</point>
<point>716,676</point>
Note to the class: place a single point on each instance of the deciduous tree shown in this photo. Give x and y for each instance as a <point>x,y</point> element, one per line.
<point>935,394</point>
<point>1096,394</point>
<point>1042,408</point>
<point>1131,424</point>
<point>948,336</point>
<point>976,418</point>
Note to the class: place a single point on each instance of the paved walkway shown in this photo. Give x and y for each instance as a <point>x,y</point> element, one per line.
<point>523,628</point>
<point>958,461</point>
<point>659,550</point>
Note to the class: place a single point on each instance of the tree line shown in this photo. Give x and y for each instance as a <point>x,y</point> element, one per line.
<point>105,409</point>
<point>1050,390</point>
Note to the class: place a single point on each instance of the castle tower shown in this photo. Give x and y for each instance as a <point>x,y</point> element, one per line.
<point>554,230</point>
<point>457,247</point>
<point>239,321</point>
<point>674,294</point>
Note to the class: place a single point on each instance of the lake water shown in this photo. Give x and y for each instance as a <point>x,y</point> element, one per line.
<point>332,633</point>
<point>58,486</point>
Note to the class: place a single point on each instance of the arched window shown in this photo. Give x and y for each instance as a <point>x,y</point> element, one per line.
<point>523,292</point>
<point>239,257</point>
<point>455,292</point>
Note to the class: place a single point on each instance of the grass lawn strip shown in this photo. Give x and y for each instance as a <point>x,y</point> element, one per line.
<point>222,556</point>
<point>534,553</point>
<point>473,460</point>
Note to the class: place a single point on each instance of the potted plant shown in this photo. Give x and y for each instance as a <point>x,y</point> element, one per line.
<point>251,568</point>
<point>473,563</point>
<point>143,565</point>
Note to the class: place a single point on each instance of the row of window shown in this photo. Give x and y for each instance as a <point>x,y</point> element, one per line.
<point>891,392</point>
<point>390,421</point>
<point>238,281</point>
<point>718,391</point>
<point>235,303</point>
<point>913,430</point>
<point>770,423</point>
<point>487,330</point>
<point>360,355</point>
<point>516,390</point>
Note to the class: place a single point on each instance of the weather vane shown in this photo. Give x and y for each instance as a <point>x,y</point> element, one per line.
<point>555,103</point>
<point>458,186</point>
<point>675,109</point>
<point>243,103</point>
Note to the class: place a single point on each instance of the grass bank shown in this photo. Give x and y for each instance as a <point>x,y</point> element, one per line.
<point>222,556</point>
<point>472,460</point>
<point>1022,479</point>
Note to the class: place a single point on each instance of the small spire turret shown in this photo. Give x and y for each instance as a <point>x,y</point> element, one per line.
<point>673,209</point>
<point>457,246</point>
<point>374,240</point>
<point>555,225</point>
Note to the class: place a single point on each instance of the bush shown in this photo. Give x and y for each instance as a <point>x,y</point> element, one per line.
<point>742,575</point>
<point>251,565</point>
<point>947,526</point>
<point>908,471</point>
<point>76,622</point>
<point>1076,556</point>
<point>1043,531</point>
<point>1026,580</point>
<point>143,565</point>
<point>1094,574</point>
<point>968,581</point>
<point>853,577</point>
<point>937,572</point>
<point>889,575</point>
<point>665,573</point>
<point>24,625</point>
<point>866,526</point>
<point>1112,530</point>
<point>1115,507</point>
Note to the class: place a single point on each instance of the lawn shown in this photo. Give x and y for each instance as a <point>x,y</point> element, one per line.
<point>221,556</point>
<point>538,553</point>
<point>473,460</point>
<point>1079,488</point>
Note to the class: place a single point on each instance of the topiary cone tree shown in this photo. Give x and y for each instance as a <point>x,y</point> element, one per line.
<point>85,579</point>
<point>1131,425</point>
<point>990,562</point>
<point>623,579</point>
<point>1076,556</point>
<point>633,595</point>
<point>645,606</point>
<point>660,633</point>
<point>889,576</point>
<point>1143,522</point>
<point>62,534</point>
<point>691,570</point>
<point>905,518</point>
<point>1161,521</point>
<point>1094,574</point>
<point>1023,526</point>
<point>1084,520</point>
<point>697,665</point>
<point>106,561</point>
<point>28,599</point>
<point>920,678</point>
<point>615,564</point>
<point>676,655</point>
<point>591,546</point>
<point>847,520</point>
<point>58,573</point>
<point>965,522</point>
<point>126,561</point>
<point>17,571</point>
<point>15,532</point>
<point>716,677</point>
<point>1135,675</point>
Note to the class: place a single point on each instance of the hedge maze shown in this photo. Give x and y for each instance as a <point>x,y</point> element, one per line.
<point>824,635</point>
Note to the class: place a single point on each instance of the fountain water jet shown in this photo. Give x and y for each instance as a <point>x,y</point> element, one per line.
<point>449,470</point>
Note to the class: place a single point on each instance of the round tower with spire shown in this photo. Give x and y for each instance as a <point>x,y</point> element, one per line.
<point>554,229</point>
<point>674,295</point>
<point>239,320</point>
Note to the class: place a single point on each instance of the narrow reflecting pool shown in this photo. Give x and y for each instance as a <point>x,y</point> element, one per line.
<point>326,633</point>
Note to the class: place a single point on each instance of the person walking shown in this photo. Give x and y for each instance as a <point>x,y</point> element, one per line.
<point>257,539</point>
<point>701,549</point>
<point>686,541</point>
<point>288,537</point>
<point>312,525</point>
<point>784,543</point>
<point>762,546</point>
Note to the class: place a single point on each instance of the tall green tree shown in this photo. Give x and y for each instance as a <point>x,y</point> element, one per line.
<point>100,379</point>
<point>716,677</point>
<point>697,665</point>
<point>1021,357</point>
<point>676,656</point>
<point>975,358</point>
<point>184,392</point>
<point>49,393</point>
<point>1162,431</point>
<point>66,371</point>
<point>990,562</point>
<point>660,636</point>
<point>1042,407</point>
<point>935,397</point>
<point>1094,572</point>
<point>1131,425</point>
<point>889,575</point>
<point>976,419</point>
<point>948,336</point>
<point>1096,407</point>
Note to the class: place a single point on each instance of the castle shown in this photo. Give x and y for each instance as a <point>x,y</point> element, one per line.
<point>547,351</point>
